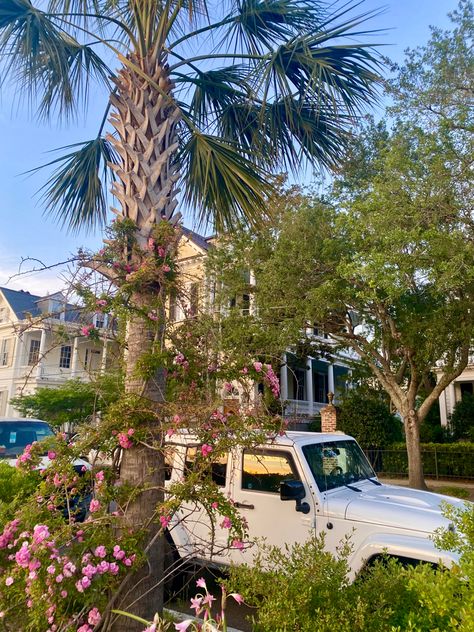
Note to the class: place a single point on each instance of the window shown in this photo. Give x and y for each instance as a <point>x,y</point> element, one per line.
<point>193,299</point>
<point>33,354</point>
<point>296,383</point>
<point>263,471</point>
<point>92,359</point>
<point>3,314</point>
<point>218,465</point>
<point>99,321</point>
<point>5,351</point>
<point>65,357</point>
<point>320,387</point>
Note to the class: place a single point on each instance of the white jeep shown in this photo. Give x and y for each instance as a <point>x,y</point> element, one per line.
<point>302,484</point>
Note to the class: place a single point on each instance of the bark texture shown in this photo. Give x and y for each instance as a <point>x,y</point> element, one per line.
<point>145,118</point>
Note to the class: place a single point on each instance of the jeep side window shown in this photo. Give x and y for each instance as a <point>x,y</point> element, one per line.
<point>218,465</point>
<point>263,471</point>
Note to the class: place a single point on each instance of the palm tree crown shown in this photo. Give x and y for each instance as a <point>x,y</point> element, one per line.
<point>207,98</point>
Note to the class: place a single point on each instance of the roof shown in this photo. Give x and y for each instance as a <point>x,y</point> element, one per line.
<point>199,240</point>
<point>21,302</point>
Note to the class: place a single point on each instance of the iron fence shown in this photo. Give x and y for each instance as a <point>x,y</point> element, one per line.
<point>436,463</point>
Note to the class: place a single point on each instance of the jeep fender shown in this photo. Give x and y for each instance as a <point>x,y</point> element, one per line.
<point>399,545</point>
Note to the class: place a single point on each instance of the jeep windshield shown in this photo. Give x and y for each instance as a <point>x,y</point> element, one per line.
<point>16,435</point>
<point>337,464</point>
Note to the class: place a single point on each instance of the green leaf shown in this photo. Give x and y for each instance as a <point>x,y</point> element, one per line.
<point>76,193</point>
<point>221,183</point>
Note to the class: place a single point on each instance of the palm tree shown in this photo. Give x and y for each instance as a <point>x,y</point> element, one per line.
<point>208,99</point>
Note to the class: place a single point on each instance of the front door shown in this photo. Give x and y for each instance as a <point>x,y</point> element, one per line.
<point>256,493</point>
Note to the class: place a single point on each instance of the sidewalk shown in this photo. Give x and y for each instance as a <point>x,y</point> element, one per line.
<point>435,484</point>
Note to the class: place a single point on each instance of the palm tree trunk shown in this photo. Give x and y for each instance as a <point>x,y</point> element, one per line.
<point>145,123</point>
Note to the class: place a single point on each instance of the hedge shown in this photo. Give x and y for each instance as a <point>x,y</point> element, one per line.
<point>440,460</point>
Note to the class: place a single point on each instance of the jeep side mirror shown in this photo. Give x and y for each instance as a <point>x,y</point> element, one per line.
<point>294,490</point>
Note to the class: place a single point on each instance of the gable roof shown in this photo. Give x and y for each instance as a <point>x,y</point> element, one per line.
<point>199,240</point>
<point>21,302</point>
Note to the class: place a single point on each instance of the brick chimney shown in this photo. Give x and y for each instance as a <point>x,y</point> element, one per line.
<point>329,416</point>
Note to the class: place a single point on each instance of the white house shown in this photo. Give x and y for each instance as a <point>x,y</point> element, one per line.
<point>461,386</point>
<point>304,384</point>
<point>42,344</point>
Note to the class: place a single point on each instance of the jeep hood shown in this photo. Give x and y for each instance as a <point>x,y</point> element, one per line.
<point>391,506</point>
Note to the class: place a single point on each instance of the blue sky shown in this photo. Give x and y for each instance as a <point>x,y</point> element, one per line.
<point>25,143</point>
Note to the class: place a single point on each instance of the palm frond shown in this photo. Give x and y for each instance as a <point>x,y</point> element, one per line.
<point>339,74</point>
<point>214,91</point>
<point>47,63</point>
<point>220,183</point>
<point>76,193</point>
<point>258,25</point>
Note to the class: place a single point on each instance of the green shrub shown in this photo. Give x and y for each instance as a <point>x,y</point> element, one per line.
<point>16,483</point>
<point>304,589</point>
<point>365,415</point>
<point>439,459</point>
<point>462,419</point>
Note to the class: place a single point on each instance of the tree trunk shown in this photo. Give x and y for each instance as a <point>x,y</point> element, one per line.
<point>415,465</point>
<point>145,122</point>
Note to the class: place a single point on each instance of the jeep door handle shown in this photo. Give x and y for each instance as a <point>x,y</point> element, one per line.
<point>244,505</point>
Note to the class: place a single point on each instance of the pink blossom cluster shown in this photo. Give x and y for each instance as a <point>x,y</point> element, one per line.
<point>180,360</point>
<point>87,330</point>
<point>26,456</point>
<point>8,534</point>
<point>101,303</point>
<point>124,438</point>
<point>31,546</point>
<point>272,380</point>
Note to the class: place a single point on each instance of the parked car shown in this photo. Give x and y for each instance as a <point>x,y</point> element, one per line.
<point>303,484</point>
<point>17,433</point>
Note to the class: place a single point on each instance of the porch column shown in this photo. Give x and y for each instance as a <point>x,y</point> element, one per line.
<point>331,378</point>
<point>75,356</point>
<point>309,384</point>
<point>443,409</point>
<point>252,306</point>
<point>103,362</point>
<point>451,398</point>
<point>284,380</point>
<point>41,353</point>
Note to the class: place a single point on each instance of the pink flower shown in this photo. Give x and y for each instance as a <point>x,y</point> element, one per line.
<point>118,553</point>
<point>9,581</point>
<point>183,626</point>
<point>22,556</point>
<point>103,567</point>
<point>164,520</point>
<point>59,578</point>
<point>208,599</point>
<point>125,441</point>
<point>86,330</point>
<point>63,594</point>
<point>238,544</point>
<point>94,617</point>
<point>206,449</point>
<point>100,551</point>
<point>113,568</point>
<point>161,252</point>
<point>153,315</point>
<point>51,455</point>
<point>245,370</point>
<point>94,506</point>
<point>130,432</point>
<point>201,583</point>
<point>228,387</point>
<point>101,302</point>
<point>215,505</point>
<point>86,582</point>
<point>166,268</point>
<point>226,523</point>
<point>257,366</point>
<point>196,603</point>
<point>99,477</point>
<point>84,628</point>
<point>89,571</point>
<point>40,533</point>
